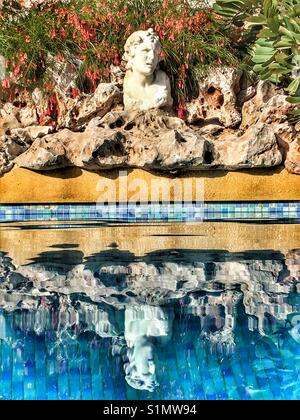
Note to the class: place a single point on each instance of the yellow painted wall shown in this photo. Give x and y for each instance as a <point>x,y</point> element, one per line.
<point>76,185</point>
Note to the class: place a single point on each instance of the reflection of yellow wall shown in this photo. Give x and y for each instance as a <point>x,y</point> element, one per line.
<point>75,185</point>
<point>22,245</point>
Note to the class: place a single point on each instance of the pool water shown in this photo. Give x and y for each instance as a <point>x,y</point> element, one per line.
<point>171,324</point>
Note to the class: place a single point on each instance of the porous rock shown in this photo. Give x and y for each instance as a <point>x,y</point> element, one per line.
<point>217,98</point>
<point>152,141</point>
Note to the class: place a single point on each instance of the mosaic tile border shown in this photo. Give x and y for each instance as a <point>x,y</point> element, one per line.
<point>154,212</point>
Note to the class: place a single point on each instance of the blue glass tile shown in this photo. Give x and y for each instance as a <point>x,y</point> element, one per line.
<point>147,212</point>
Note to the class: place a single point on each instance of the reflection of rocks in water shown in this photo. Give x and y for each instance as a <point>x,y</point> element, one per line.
<point>79,316</point>
<point>133,301</point>
<point>118,279</point>
<point>6,266</point>
<point>292,261</point>
<point>217,315</point>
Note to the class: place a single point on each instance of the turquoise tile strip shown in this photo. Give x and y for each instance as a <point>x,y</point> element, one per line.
<point>158,212</point>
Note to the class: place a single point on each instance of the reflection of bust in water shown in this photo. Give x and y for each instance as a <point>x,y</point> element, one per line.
<point>143,324</point>
<point>140,369</point>
<point>145,85</point>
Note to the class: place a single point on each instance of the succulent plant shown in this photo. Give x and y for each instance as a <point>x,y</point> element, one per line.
<point>237,10</point>
<point>276,52</point>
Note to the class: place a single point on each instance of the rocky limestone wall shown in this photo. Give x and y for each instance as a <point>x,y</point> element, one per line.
<point>208,285</point>
<point>232,125</point>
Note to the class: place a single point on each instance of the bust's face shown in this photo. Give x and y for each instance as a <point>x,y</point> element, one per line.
<point>146,58</point>
<point>140,372</point>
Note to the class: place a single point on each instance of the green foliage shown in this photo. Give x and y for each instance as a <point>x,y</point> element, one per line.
<point>237,10</point>
<point>95,32</point>
<point>276,52</point>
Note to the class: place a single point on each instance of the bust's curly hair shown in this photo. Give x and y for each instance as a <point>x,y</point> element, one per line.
<point>136,39</point>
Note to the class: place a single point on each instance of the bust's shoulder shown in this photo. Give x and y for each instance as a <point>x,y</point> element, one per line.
<point>161,78</point>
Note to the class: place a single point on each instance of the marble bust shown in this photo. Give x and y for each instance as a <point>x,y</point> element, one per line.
<point>145,85</point>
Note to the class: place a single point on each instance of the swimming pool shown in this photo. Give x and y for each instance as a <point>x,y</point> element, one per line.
<point>187,320</point>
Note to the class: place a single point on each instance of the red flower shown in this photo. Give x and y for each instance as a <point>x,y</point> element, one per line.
<point>17,70</point>
<point>6,83</point>
<point>172,37</point>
